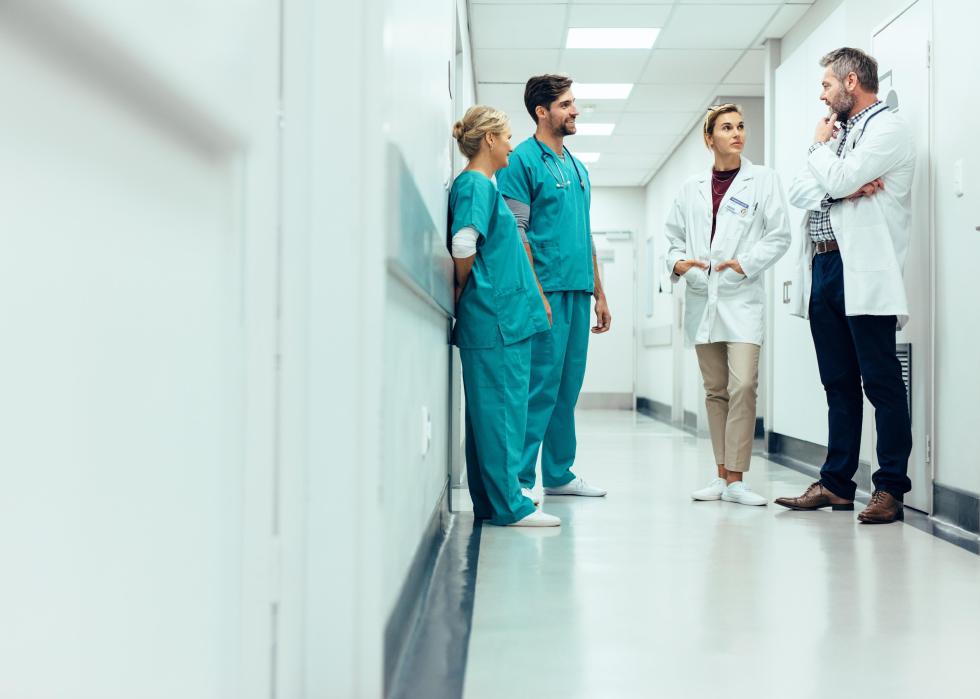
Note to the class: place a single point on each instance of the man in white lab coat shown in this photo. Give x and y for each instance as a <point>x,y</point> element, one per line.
<point>856,189</point>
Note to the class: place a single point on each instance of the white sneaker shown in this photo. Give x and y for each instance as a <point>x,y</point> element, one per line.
<point>742,494</point>
<point>528,493</point>
<point>712,491</point>
<point>537,519</point>
<point>576,487</point>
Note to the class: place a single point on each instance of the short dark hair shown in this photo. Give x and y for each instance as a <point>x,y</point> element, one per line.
<point>845,61</point>
<point>542,90</point>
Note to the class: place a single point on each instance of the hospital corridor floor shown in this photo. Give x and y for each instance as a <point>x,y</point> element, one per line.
<point>645,593</point>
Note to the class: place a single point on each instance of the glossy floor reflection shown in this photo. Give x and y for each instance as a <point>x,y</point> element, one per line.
<point>645,593</point>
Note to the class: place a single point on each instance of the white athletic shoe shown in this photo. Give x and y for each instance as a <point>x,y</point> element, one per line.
<point>742,494</point>
<point>537,519</point>
<point>712,491</point>
<point>528,493</point>
<point>576,487</point>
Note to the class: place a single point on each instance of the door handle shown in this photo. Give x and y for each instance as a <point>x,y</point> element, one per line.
<point>786,286</point>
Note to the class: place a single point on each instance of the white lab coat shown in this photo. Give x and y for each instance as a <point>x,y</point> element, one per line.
<point>753,228</point>
<point>872,232</point>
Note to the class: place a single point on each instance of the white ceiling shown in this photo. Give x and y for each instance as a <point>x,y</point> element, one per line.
<point>706,48</point>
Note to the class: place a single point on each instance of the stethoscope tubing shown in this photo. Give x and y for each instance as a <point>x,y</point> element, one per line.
<point>560,182</point>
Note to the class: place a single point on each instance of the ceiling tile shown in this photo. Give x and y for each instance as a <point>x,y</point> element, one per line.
<point>784,20</point>
<point>751,69</point>
<point>678,65</point>
<point>517,26</point>
<point>625,161</point>
<point>576,3</point>
<point>594,109</point>
<point>655,123</point>
<point>618,178</point>
<point>604,65</point>
<point>618,15</point>
<point>715,26</point>
<point>742,89</point>
<point>673,98</point>
<point>514,2</point>
<point>621,144</point>
<point>513,65</point>
<point>727,2</point>
<point>508,99</point>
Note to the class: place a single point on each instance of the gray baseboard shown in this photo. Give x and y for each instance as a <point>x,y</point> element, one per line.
<point>652,408</point>
<point>433,662</point>
<point>690,422</point>
<point>957,507</point>
<point>605,401</point>
<point>807,458</point>
<point>664,413</point>
<point>408,607</point>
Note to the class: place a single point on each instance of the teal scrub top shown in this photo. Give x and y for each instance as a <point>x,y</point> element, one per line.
<point>500,293</point>
<point>559,230</point>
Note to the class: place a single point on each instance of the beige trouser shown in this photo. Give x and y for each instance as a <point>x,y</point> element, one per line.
<point>730,371</point>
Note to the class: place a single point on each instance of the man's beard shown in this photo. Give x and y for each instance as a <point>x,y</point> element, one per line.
<point>562,130</point>
<point>843,105</point>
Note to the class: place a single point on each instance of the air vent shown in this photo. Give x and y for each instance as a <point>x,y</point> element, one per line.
<point>904,352</point>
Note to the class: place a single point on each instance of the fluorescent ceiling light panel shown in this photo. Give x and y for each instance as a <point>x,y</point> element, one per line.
<point>594,129</point>
<point>603,38</point>
<point>602,91</point>
<point>587,157</point>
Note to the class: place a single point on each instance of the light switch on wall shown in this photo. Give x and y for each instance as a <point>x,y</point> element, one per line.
<point>958,178</point>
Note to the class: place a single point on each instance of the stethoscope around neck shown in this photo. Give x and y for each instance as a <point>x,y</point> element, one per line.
<point>555,171</point>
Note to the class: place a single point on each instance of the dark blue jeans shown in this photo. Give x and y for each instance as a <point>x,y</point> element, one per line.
<point>851,351</point>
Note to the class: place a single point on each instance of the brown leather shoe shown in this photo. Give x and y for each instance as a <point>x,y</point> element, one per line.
<point>883,508</point>
<point>815,497</point>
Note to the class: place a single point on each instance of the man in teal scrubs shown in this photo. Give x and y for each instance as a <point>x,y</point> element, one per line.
<point>549,193</point>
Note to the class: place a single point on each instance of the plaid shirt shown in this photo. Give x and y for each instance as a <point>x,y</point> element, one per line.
<point>821,231</point>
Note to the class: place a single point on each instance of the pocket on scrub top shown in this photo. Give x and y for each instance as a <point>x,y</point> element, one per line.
<point>547,262</point>
<point>513,315</point>
<point>867,248</point>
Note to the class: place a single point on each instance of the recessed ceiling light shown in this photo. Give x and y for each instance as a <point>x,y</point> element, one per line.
<point>603,38</point>
<point>602,91</point>
<point>587,157</point>
<point>594,129</point>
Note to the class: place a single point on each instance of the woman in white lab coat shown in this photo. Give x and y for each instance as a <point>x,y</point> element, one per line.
<point>727,226</point>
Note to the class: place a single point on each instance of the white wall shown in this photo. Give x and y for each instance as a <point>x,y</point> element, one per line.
<point>139,229</point>
<point>957,238</point>
<point>417,357</point>
<point>615,209</point>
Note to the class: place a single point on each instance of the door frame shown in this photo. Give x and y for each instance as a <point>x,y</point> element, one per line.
<point>930,346</point>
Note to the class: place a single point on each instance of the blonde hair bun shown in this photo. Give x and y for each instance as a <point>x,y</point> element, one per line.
<point>458,130</point>
<point>478,121</point>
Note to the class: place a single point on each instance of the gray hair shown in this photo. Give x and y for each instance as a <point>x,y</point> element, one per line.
<point>846,60</point>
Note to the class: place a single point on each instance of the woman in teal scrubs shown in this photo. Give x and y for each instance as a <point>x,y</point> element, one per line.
<point>498,308</point>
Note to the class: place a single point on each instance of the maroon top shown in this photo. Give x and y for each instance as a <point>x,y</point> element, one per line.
<point>720,182</point>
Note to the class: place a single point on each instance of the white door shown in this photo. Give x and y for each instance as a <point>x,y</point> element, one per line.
<point>611,365</point>
<point>902,48</point>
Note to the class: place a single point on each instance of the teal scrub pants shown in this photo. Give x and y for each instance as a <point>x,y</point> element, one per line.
<point>496,384</point>
<point>557,373</point>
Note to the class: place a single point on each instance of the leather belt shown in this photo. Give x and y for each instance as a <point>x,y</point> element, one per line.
<point>825,246</point>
